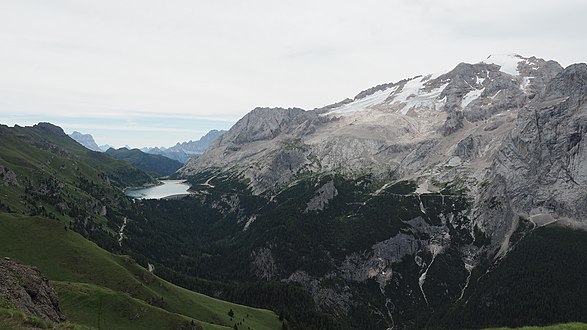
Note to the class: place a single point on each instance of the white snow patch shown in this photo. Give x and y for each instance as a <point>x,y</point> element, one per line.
<point>425,100</point>
<point>412,96</point>
<point>526,83</point>
<point>471,96</point>
<point>508,62</point>
<point>410,89</point>
<point>432,76</point>
<point>409,94</point>
<point>364,103</point>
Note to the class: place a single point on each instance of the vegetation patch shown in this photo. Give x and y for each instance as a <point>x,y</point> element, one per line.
<point>66,257</point>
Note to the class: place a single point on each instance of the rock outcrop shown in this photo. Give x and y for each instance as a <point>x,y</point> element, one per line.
<point>29,291</point>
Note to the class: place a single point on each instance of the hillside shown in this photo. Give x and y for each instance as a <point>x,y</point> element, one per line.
<point>52,190</point>
<point>45,172</point>
<point>156,164</point>
<point>99,288</point>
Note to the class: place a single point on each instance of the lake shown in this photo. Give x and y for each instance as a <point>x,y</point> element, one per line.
<point>167,188</point>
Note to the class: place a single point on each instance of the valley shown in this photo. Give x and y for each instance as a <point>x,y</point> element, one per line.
<point>447,201</point>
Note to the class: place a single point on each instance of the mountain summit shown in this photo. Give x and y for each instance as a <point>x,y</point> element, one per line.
<point>392,130</point>
<point>457,165</point>
<point>182,151</point>
<point>86,140</point>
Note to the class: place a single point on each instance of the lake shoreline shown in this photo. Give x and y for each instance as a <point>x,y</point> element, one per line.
<point>164,189</point>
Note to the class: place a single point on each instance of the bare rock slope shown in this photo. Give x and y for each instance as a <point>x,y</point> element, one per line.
<point>29,291</point>
<point>513,122</point>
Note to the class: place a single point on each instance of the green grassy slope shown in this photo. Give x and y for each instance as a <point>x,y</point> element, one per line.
<point>13,319</point>
<point>79,267</point>
<point>565,326</point>
<point>103,308</point>
<point>45,172</point>
<point>45,149</point>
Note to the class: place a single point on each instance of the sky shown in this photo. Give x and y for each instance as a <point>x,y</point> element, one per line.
<point>153,73</point>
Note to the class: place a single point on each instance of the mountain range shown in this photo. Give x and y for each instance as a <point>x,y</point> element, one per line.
<point>181,151</point>
<point>453,200</point>
<point>418,187</point>
<point>63,211</point>
<point>184,150</point>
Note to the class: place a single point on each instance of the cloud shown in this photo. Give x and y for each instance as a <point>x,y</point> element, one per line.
<point>214,61</point>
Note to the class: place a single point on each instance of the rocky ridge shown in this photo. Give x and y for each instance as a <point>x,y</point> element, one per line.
<point>501,139</point>
<point>182,151</point>
<point>434,127</point>
<point>386,130</point>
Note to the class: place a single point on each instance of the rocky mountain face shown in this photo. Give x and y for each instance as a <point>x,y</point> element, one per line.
<point>388,130</point>
<point>182,151</point>
<point>27,290</point>
<point>86,140</point>
<point>105,147</point>
<point>432,128</point>
<point>199,146</point>
<point>538,170</point>
<point>470,158</point>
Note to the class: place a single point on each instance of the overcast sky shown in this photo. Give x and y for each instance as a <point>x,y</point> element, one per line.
<point>152,73</point>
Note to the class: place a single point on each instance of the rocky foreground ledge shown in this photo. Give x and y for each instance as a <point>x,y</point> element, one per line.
<point>28,290</point>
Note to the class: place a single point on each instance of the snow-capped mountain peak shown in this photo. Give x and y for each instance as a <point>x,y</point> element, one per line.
<point>386,119</point>
<point>426,96</point>
<point>508,62</point>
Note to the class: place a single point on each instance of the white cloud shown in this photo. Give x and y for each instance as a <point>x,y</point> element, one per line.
<point>220,59</point>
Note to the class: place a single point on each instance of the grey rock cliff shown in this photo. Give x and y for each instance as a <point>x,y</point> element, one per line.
<point>391,130</point>
<point>540,166</point>
<point>326,193</point>
<point>26,289</point>
<point>85,140</point>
